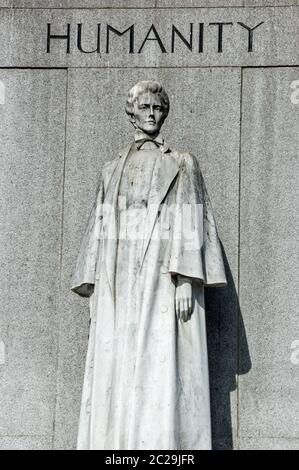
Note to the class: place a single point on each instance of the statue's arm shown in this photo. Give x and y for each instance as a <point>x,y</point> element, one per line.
<point>83,279</point>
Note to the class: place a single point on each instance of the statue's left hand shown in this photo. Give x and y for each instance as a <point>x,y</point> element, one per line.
<point>183,298</point>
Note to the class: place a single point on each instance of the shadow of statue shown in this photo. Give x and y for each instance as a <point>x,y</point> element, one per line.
<point>228,357</point>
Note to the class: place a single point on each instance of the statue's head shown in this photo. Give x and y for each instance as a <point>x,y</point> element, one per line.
<point>147,106</point>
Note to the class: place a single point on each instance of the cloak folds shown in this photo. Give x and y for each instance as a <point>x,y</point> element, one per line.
<point>146,383</point>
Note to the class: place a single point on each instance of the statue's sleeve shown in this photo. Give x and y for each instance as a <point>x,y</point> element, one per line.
<point>195,248</point>
<point>83,279</point>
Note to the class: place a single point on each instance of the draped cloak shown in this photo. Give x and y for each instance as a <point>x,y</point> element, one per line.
<point>146,384</point>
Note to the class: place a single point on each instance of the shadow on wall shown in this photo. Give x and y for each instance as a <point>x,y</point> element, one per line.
<point>228,355</point>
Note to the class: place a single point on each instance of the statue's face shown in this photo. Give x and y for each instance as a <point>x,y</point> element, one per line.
<point>149,113</point>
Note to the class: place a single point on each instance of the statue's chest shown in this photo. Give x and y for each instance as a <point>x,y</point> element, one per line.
<point>136,177</point>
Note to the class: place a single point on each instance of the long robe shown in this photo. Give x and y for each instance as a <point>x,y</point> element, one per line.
<point>146,383</point>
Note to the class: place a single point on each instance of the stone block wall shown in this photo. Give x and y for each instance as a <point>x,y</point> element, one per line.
<point>234,98</point>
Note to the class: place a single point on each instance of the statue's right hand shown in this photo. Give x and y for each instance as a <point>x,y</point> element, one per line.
<point>183,298</point>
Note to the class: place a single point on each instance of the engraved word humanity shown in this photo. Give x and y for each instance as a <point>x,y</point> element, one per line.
<point>108,39</point>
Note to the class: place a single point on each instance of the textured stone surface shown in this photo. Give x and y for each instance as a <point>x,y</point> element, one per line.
<point>275,41</point>
<point>268,405</point>
<point>31,161</point>
<point>84,3</point>
<point>26,443</point>
<point>142,3</point>
<point>199,3</point>
<point>92,139</point>
<point>31,167</point>
<point>269,3</point>
<point>269,444</point>
<point>6,3</point>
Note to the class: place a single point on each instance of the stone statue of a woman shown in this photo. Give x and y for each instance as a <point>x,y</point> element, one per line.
<point>149,248</point>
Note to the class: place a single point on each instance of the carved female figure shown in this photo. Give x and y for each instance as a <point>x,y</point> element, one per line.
<point>150,247</point>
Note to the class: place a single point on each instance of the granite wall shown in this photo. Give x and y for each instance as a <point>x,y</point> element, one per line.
<point>234,103</point>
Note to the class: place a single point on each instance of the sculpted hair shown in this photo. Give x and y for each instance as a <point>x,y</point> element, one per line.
<point>146,86</point>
